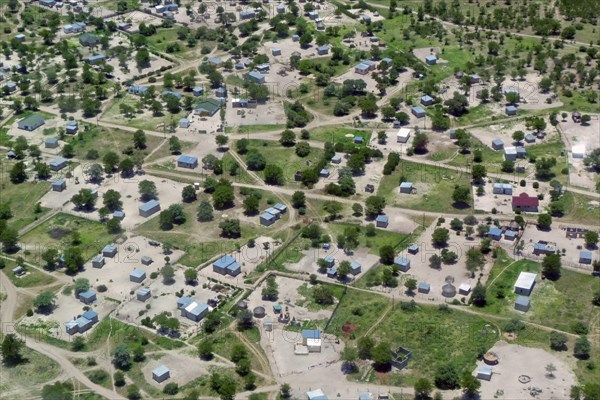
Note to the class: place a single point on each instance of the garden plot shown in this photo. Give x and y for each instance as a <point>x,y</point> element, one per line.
<point>529,365</point>
<point>503,203</point>
<point>249,258</point>
<point>557,235</point>
<point>575,134</point>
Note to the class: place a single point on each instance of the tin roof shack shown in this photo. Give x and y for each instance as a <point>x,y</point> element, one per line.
<point>403,135</point>
<point>484,372</point>
<point>143,294</point>
<point>185,161</point>
<point>57,164</point>
<point>431,59</point>
<point>406,187</point>
<point>511,110</point>
<point>382,221</point>
<point>503,188</point>
<point>525,283</point>
<point>426,100</point>
<point>522,303</point>
<point>311,338</point>
<point>497,144</point>
<point>87,297</point>
<point>402,263</point>
<point>110,250</point>
<point>316,394</point>
<point>98,261</point>
<point>424,287</point>
<point>59,185</point>
<point>417,111</point>
<point>137,275</point>
<point>227,265</point>
<point>51,143</point>
<point>161,373</point>
<point>355,268</point>
<point>585,257</point>
<point>149,208</point>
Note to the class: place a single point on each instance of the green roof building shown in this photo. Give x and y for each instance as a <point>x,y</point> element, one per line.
<point>89,40</point>
<point>32,122</point>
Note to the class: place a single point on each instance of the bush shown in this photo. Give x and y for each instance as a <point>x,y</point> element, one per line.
<point>558,341</point>
<point>102,288</point>
<point>514,325</point>
<point>171,388</point>
<point>522,183</point>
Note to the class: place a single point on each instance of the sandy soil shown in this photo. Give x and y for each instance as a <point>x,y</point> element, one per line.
<point>504,131</point>
<point>503,203</point>
<point>517,360</point>
<point>558,235</point>
<point>577,134</point>
<point>182,368</point>
<point>421,53</point>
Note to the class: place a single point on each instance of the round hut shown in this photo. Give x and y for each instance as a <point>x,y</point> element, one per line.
<point>259,312</point>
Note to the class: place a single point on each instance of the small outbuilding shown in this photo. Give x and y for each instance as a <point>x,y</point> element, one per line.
<point>413,248</point>
<point>322,50</point>
<point>417,111</point>
<point>503,188</point>
<point>276,51</point>
<point>525,283</point>
<point>484,372</point>
<point>495,233</point>
<point>406,187</point>
<point>497,144</point>
<point>145,260</point>
<point>137,275</point>
<point>143,294</point>
<point>267,219</point>
<point>330,261</point>
<point>402,263</point>
<point>311,338</point>
<point>185,161</point>
<point>109,250</point>
<point>118,214</point>
<point>331,272</point>
<point>382,221</point>
<point>585,257</point>
<point>57,164</point>
<point>578,151</point>
<point>316,394</point>
<point>324,173</point>
<point>59,185</point>
<point>464,289</point>
<point>431,59</point>
<point>510,110</point>
<point>87,297</point>
<point>426,100</point>
<point>522,303</point>
<point>18,271</point>
<point>149,208</point>
<point>98,261</point>
<point>403,135</point>
<point>423,287</point>
<point>161,373</point>
<point>51,143</point>
<point>355,268</point>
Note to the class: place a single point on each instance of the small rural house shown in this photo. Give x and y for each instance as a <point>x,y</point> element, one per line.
<point>417,111</point>
<point>503,188</point>
<point>87,297</point>
<point>382,221</point>
<point>311,338</point>
<point>32,122</point>
<point>149,208</point>
<point>406,187</point>
<point>143,294</point>
<point>98,261</point>
<point>161,373</point>
<point>59,185</point>
<point>185,161</point>
<point>431,59</point>
<point>137,275</point>
<point>403,135</point>
<point>526,203</point>
<point>110,250</point>
<point>426,100</point>
<point>423,287</point>
<point>402,263</point>
<point>227,265</point>
<point>51,143</point>
<point>585,257</point>
<point>525,283</point>
<point>510,110</point>
<point>497,144</point>
<point>522,303</point>
<point>484,372</point>
<point>355,268</point>
<point>57,164</point>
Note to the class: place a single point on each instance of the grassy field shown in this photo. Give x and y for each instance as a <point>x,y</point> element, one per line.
<point>105,140</point>
<point>23,211</point>
<point>373,243</point>
<point>551,149</point>
<point>492,160</point>
<point>246,129</point>
<point>308,301</point>
<point>57,233</point>
<point>140,121</point>
<point>338,134</point>
<point>200,240</point>
<point>284,157</point>
<point>33,278</point>
<point>434,186</point>
<point>580,208</point>
<point>34,370</point>
<point>558,304</point>
<point>164,151</point>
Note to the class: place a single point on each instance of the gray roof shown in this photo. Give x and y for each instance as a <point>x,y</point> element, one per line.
<point>137,273</point>
<point>160,370</point>
<point>149,205</point>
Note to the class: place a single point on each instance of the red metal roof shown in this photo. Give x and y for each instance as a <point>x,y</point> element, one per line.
<point>524,200</point>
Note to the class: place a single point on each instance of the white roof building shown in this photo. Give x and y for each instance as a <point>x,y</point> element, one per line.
<point>578,151</point>
<point>525,283</point>
<point>403,135</point>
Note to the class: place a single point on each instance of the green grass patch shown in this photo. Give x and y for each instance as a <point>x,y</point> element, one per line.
<point>57,232</point>
<point>13,194</point>
<point>249,129</point>
<point>372,243</point>
<point>33,278</point>
<point>580,208</point>
<point>34,370</point>
<point>100,377</point>
<point>308,301</point>
<point>338,134</point>
<point>434,186</point>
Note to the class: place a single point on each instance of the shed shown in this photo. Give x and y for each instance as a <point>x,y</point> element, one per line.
<point>330,261</point>
<point>137,89</point>
<point>59,185</point>
<point>359,140</point>
<point>98,261</point>
<point>578,151</point>
<point>417,111</point>
<point>464,289</point>
<point>87,297</point>
<point>71,327</point>
<point>259,312</point>
<point>295,38</point>
<point>137,275</point>
<point>522,303</point>
<point>336,159</point>
<point>198,91</point>
<point>149,208</point>
<point>382,221</point>
<point>403,135</point>
<point>510,235</point>
<point>109,250</point>
<point>118,214</point>
<point>186,161</point>
<point>497,144</point>
<point>495,233</point>
<point>316,394</point>
<point>161,373</point>
<point>96,58</point>
<point>426,100</point>
<point>281,9</point>
<point>256,77</point>
<point>57,164</point>
<point>413,248</point>
<point>20,38</point>
<point>221,92</point>
<point>282,208</point>
<point>402,263</point>
<point>324,173</point>
<point>510,153</point>
<point>267,219</point>
<point>277,308</point>
<point>475,78</point>
<point>355,268</point>
<point>322,50</point>
<point>247,14</point>
<point>424,287</point>
<point>276,51</point>
<point>183,302</point>
<point>503,188</point>
<point>91,315</point>
<point>585,257</point>
<point>331,272</point>
<point>146,260</point>
<point>170,93</point>
<point>220,266</point>
<point>406,187</point>
<point>184,123</point>
<point>83,324</point>
<point>525,283</point>
<point>484,372</point>
<point>71,127</point>
<point>51,143</point>
<point>510,110</point>
<point>529,138</point>
<point>311,338</point>
<point>11,86</point>
<point>521,152</point>
<point>431,59</point>
<point>32,122</point>
<point>143,294</point>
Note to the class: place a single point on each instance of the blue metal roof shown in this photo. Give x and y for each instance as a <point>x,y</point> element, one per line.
<point>82,322</point>
<point>90,314</point>
<point>187,159</point>
<point>522,301</point>
<point>160,370</point>
<point>382,218</point>
<point>58,161</point>
<point>510,233</point>
<point>143,291</point>
<point>424,286</point>
<point>109,248</point>
<point>426,98</point>
<point>586,255</point>
<point>495,232</point>
<point>406,185</point>
<point>199,309</point>
<point>323,48</point>
<point>267,216</point>
<point>172,93</point>
<point>149,205</point>
<point>431,57</point>
<point>329,259</point>
<point>98,258</point>
<point>224,261</point>
<point>400,260</point>
<point>336,158</point>
<point>184,301</point>
<point>418,109</point>
<point>354,265</point>
<point>511,108</point>
<point>362,66</point>
<point>59,182</point>
<point>280,207</point>
<point>256,75</point>
<point>234,267</point>
<point>311,334</point>
<point>413,247</point>
<point>214,60</point>
<point>137,273</point>
<point>331,271</point>
<point>51,140</point>
<point>88,294</point>
<point>118,214</point>
<point>273,210</point>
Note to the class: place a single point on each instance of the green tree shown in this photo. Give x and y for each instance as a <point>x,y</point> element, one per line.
<point>288,138</point>
<point>420,142</point>
<point>440,237</point>
<point>112,200</point>
<point>551,267</point>
<point>273,175</point>
<point>44,302</point>
<point>188,194</point>
<point>298,199</point>
<point>478,295</point>
<point>349,356</point>
<point>18,173</point>
<point>323,294</point>
<point>410,285</point>
<point>461,194</point>
<point>110,161</point>
<point>81,285</point>
<point>365,345</point>
<point>191,275</point>
<point>422,389</point>
<point>205,349</point>
<point>582,348</point>
<point>446,376</point>
<point>139,139</point>
<point>11,349</point>
<point>122,357</point>
<point>174,144</point>
<point>470,386</point>
<point>374,205</point>
<point>223,196</point>
<point>230,228</point>
<point>147,190</point>
<point>558,341</point>
<point>205,211</point>
<point>387,254</point>
<point>591,238</point>
<point>168,274</point>
<point>381,356</point>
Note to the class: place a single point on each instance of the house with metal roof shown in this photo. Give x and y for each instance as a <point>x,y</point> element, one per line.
<point>431,59</point>
<point>495,233</point>
<point>358,139</point>
<point>355,267</point>
<point>322,50</point>
<point>221,92</point>
<point>10,86</point>
<point>336,159</point>
<point>31,123</point>
<point>220,266</point>
<point>91,315</point>
<point>256,77</point>
<point>149,208</point>
<point>402,263</point>
<point>526,203</point>
<point>311,338</point>
<point>71,127</point>
<point>330,261</point>
<point>18,271</point>
<point>511,110</point>
<point>110,250</point>
<point>316,395</point>
<point>143,294</point>
<point>585,257</point>
<point>423,287</point>
<point>413,248</point>
<point>161,373</point>
<point>403,135</point>
<point>382,221</point>
<point>96,58</point>
<point>522,303</point>
<point>525,283</point>
<point>145,260</point>
<point>207,107</point>
<point>417,111</point>
<point>295,38</point>
<point>503,188</point>
<point>170,93</point>
<point>426,100</point>
<point>51,143</point>
<point>87,297</point>
<point>118,214</point>
<point>510,153</point>
<point>510,235</point>
<point>137,90</point>
<point>324,173</point>
<point>183,302</point>
<point>529,138</point>
<point>195,311</point>
<point>185,161</point>
<point>247,14</point>
<point>20,38</point>
<point>98,261</point>
<point>282,208</point>
<point>198,91</point>
<point>137,275</point>
<point>276,51</point>
<point>58,163</point>
<point>362,69</point>
<point>406,187</point>
<point>281,8</point>
<point>497,144</point>
<point>484,372</point>
<point>267,219</point>
<point>331,272</point>
<point>543,248</point>
<point>59,185</point>
<point>214,61</point>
